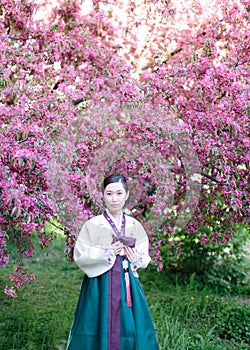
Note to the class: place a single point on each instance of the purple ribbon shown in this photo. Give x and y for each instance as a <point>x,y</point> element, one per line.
<point>112,224</point>
<point>120,236</point>
<point>129,241</point>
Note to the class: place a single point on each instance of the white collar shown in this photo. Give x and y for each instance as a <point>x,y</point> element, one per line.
<point>119,224</point>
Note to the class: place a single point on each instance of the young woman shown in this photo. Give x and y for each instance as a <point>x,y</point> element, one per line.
<point>112,312</point>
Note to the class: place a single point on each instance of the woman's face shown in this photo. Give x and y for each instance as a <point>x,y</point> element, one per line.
<point>115,197</point>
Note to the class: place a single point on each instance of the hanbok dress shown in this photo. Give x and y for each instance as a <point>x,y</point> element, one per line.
<point>112,312</point>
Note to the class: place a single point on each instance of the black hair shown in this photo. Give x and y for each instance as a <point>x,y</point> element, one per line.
<point>114,178</point>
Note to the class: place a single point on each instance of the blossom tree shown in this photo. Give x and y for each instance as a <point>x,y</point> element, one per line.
<point>83,95</point>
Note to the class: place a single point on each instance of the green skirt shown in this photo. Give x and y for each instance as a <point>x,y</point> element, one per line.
<point>94,326</point>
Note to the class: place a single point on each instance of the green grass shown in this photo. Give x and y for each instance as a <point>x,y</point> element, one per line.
<point>186,317</point>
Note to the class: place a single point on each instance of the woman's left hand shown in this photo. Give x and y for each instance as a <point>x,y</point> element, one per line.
<point>117,247</point>
<point>130,252</point>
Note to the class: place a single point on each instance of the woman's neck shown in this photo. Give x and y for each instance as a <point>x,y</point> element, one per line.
<point>116,216</point>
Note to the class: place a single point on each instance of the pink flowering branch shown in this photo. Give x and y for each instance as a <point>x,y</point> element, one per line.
<point>85,94</point>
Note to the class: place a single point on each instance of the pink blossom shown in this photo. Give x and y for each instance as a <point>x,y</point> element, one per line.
<point>81,101</point>
<point>10,292</point>
<point>204,238</point>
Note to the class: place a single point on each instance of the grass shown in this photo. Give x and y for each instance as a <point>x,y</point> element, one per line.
<point>186,317</point>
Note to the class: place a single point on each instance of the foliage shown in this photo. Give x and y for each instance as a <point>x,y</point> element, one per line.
<point>224,267</point>
<point>77,103</point>
<point>195,317</point>
<point>42,314</point>
<point>234,322</point>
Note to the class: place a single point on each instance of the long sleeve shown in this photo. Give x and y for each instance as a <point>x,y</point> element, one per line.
<point>91,254</point>
<point>142,257</point>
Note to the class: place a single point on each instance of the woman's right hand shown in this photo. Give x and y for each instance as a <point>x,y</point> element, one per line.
<point>117,247</point>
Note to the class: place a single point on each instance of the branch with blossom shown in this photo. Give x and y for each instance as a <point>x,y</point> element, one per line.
<point>85,94</point>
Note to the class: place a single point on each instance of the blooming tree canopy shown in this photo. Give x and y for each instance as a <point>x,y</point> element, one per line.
<point>156,90</point>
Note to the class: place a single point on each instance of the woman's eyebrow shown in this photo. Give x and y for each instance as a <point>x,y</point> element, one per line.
<point>109,191</point>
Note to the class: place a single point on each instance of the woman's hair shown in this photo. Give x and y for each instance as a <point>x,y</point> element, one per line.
<point>114,178</point>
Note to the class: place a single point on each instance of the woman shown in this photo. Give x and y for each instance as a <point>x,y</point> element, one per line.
<point>112,313</point>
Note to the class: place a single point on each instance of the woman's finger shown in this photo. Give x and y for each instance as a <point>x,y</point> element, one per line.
<point>130,253</point>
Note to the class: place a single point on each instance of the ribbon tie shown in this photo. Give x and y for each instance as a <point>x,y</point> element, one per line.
<point>129,241</point>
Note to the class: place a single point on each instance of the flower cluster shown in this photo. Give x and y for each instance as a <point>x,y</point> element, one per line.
<point>126,87</point>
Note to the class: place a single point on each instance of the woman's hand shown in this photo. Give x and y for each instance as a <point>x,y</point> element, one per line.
<point>117,247</point>
<point>130,252</point>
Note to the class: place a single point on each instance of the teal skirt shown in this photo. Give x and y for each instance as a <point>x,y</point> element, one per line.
<point>97,327</point>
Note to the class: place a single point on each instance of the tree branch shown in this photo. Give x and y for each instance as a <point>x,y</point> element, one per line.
<point>76,102</point>
<point>212,178</point>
